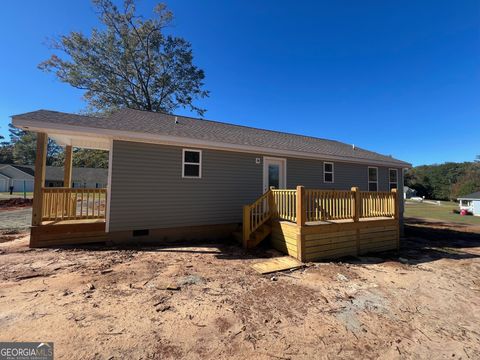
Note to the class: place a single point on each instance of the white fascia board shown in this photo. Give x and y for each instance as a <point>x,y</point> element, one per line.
<point>122,135</point>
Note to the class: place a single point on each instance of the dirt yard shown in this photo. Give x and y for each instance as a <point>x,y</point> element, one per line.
<point>203,302</point>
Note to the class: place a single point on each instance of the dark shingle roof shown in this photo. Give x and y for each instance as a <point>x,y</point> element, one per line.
<point>475,195</point>
<point>138,121</point>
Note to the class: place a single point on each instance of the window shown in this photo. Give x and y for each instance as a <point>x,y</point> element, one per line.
<point>328,172</point>
<point>192,164</point>
<point>372,178</point>
<point>393,178</point>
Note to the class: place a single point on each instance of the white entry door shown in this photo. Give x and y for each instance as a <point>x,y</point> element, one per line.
<point>274,173</point>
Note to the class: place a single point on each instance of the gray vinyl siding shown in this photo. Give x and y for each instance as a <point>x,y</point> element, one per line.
<point>148,191</point>
<point>309,173</point>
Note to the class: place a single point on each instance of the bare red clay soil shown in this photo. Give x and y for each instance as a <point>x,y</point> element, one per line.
<point>204,301</point>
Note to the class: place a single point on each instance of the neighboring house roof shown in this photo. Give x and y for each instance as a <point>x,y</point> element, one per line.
<point>53,173</point>
<point>25,168</point>
<point>135,122</point>
<point>473,196</point>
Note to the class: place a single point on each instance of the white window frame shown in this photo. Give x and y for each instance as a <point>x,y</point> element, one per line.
<point>368,177</point>
<point>192,163</point>
<point>328,172</point>
<point>389,181</point>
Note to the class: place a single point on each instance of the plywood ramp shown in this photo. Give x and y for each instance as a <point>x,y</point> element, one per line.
<point>277,264</point>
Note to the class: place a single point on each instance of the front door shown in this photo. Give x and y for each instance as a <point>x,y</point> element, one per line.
<point>273,173</point>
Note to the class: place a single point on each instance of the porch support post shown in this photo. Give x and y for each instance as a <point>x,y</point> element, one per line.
<point>67,167</point>
<point>39,180</point>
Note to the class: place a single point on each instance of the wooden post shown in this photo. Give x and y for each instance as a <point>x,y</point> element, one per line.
<point>246,225</point>
<point>357,204</point>
<point>397,215</point>
<point>396,204</point>
<point>39,181</point>
<point>271,203</point>
<point>301,206</point>
<point>67,167</point>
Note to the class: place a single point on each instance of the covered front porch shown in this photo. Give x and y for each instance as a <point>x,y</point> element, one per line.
<point>66,215</point>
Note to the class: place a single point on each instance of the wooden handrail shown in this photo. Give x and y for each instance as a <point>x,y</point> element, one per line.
<point>256,214</point>
<point>63,203</point>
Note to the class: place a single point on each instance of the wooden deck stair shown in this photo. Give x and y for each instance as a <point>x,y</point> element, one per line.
<point>259,235</point>
<point>255,221</point>
<point>256,237</point>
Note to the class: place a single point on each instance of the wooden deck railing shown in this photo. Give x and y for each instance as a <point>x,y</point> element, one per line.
<point>309,205</point>
<point>73,204</point>
<point>323,205</point>
<point>377,204</point>
<point>284,204</point>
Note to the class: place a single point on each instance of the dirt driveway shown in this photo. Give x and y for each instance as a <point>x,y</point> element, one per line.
<point>203,302</point>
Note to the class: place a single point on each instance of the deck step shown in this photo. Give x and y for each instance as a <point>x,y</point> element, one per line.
<point>259,235</point>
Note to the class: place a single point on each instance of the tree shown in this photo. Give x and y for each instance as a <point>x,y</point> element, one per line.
<point>24,146</point>
<point>131,63</point>
<point>85,158</point>
<point>6,151</point>
<point>444,181</point>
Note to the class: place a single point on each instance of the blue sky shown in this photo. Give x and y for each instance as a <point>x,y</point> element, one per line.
<point>397,77</point>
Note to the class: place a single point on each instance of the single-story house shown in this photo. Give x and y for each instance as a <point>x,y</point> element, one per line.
<point>175,176</point>
<point>471,203</point>
<point>21,177</point>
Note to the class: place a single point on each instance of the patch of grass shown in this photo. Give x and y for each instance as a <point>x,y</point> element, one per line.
<point>442,212</point>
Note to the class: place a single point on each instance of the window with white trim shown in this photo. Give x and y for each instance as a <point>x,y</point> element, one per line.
<point>393,178</point>
<point>328,172</point>
<point>372,178</point>
<point>192,164</point>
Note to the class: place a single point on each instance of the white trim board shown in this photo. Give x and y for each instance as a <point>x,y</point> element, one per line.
<point>99,134</point>
<point>109,187</point>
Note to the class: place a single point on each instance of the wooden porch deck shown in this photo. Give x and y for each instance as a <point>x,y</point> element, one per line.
<point>64,232</point>
<point>319,224</point>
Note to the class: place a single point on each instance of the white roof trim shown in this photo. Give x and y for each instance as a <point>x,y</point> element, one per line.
<point>105,135</point>
<point>5,176</point>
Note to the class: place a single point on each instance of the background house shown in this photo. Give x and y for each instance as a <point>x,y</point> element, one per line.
<point>21,177</point>
<point>471,203</point>
<point>409,192</point>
